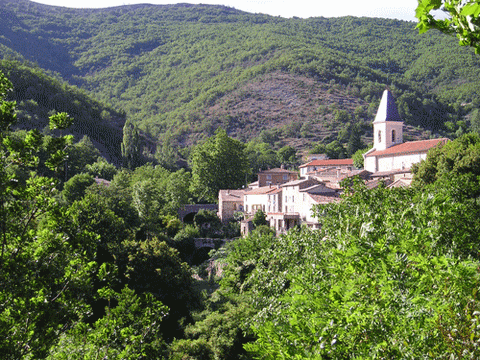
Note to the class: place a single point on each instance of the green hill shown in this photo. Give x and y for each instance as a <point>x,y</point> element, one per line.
<point>38,96</point>
<point>180,71</point>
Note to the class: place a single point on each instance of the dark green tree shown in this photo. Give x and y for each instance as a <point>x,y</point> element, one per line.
<point>287,155</point>
<point>335,150</point>
<point>74,189</point>
<point>354,140</point>
<point>455,165</point>
<point>101,169</point>
<point>218,163</point>
<point>130,330</point>
<point>80,155</point>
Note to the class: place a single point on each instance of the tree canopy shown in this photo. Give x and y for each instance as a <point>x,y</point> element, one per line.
<point>219,163</point>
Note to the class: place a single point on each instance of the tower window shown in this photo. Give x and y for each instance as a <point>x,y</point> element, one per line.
<point>393,135</point>
<point>379,136</point>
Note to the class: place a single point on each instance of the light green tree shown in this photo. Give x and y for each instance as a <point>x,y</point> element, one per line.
<point>462,19</point>
<point>131,147</point>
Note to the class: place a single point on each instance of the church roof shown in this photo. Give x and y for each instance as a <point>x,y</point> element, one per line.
<point>409,147</point>
<point>387,110</point>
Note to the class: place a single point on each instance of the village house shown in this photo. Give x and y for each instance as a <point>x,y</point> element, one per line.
<point>328,164</point>
<point>389,152</point>
<point>288,201</point>
<point>292,203</point>
<point>257,199</point>
<point>276,176</point>
<point>229,202</point>
<point>333,177</point>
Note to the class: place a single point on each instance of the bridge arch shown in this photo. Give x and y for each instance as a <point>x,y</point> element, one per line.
<point>189,211</point>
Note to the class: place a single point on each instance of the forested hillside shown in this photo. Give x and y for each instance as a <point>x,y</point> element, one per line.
<point>39,96</point>
<point>181,71</point>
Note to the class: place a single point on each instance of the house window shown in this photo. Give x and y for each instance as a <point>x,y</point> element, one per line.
<point>379,136</point>
<point>393,135</point>
<point>285,177</point>
<point>246,208</point>
<point>269,177</point>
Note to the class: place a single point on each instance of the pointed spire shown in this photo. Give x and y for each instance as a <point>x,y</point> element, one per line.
<point>387,111</point>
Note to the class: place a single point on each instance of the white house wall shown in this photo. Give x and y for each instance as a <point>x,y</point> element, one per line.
<point>255,202</point>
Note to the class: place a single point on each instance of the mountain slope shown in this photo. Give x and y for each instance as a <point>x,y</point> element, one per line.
<point>38,96</point>
<point>180,71</point>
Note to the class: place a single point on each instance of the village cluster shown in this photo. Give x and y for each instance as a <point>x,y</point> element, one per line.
<point>287,200</point>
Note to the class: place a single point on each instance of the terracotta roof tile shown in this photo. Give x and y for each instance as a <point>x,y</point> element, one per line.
<point>324,199</point>
<point>262,190</point>
<point>232,195</point>
<point>329,162</point>
<point>277,170</point>
<point>409,147</point>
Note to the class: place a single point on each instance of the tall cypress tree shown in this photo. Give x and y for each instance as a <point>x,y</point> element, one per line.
<point>131,149</point>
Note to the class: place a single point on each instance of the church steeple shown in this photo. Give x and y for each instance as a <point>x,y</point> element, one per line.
<point>387,111</point>
<point>388,126</point>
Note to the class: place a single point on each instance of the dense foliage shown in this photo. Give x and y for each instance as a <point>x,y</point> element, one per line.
<point>218,163</point>
<point>393,273</point>
<point>103,268</point>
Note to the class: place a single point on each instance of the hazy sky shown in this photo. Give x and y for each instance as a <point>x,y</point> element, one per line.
<point>404,9</point>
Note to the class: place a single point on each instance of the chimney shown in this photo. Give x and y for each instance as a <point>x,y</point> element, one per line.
<point>282,166</point>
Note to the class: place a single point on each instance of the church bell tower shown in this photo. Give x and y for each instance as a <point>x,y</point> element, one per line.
<point>388,126</point>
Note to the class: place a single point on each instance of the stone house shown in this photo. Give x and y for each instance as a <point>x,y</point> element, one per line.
<point>229,202</point>
<point>276,176</point>
<point>329,164</point>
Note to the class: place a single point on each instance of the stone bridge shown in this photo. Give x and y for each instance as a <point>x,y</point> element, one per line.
<point>187,212</point>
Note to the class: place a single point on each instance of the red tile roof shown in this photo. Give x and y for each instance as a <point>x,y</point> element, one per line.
<point>330,162</point>
<point>262,190</point>
<point>277,170</point>
<point>325,199</point>
<point>409,147</point>
<point>232,195</point>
